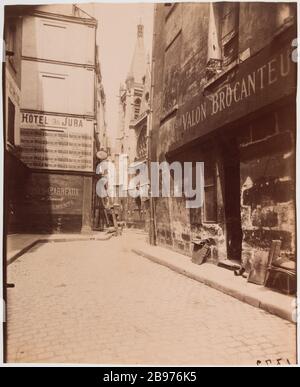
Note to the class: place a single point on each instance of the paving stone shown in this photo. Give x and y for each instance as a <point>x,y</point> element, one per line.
<point>97,302</point>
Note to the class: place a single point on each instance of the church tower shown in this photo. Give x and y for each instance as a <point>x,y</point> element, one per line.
<point>130,97</point>
<point>138,63</point>
<point>133,107</point>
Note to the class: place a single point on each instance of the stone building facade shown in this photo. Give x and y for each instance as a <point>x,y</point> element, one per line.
<point>59,118</point>
<point>225,94</point>
<point>15,171</point>
<point>133,123</point>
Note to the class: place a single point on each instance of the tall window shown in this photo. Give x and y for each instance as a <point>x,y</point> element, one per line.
<point>11,122</point>
<point>222,36</point>
<point>137,105</point>
<point>229,31</point>
<point>11,40</point>
<point>53,38</point>
<point>210,202</point>
<point>285,13</point>
<point>53,89</point>
<point>142,143</point>
<point>208,212</point>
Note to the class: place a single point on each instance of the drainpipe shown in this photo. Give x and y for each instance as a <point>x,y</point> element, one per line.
<point>152,228</point>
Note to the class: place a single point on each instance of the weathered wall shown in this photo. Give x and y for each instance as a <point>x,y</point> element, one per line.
<point>268,182</point>
<point>52,203</point>
<point>50,39</point>
<point>180,56</point>
<point>259,23</point>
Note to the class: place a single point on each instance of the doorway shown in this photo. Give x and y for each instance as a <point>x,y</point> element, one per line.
<point>234,235</point>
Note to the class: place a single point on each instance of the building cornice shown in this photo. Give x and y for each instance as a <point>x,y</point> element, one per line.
<point>52,61</point>
<point>68,18</point>
<point>88,117</point>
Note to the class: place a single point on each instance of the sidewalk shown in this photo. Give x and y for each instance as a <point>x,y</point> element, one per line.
<point>221,279</point>
<point>211,275</point>
<point>18,244</point>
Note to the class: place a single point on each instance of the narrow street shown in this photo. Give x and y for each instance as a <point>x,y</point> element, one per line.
<point>98,302</point>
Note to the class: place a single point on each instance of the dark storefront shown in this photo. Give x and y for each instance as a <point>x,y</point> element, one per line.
<point>52,203</point>
<point>243,128</point>
<point>15,179</point>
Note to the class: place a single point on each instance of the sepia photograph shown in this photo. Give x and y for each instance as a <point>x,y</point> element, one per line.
<point>149,186</point>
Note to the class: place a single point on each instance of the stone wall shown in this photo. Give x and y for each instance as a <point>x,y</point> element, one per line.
<point>180,57</point>
<point>268,182</point>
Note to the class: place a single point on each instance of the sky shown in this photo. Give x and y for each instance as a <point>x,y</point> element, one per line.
<point>116,35</point>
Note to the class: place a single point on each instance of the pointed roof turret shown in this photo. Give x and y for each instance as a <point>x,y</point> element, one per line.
<point>138,64</point>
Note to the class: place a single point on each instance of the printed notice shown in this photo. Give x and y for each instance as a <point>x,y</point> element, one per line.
<point>55,142</point>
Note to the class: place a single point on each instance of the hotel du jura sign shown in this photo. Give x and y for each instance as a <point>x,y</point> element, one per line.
<point>56,142</point>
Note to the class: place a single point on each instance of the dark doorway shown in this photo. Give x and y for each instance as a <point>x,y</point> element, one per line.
<point>234,234</point>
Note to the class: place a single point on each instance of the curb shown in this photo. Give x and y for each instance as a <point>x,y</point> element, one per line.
<point>241,296</point>
<point>54,240</point>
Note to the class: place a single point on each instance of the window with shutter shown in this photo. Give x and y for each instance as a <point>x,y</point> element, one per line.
<point>210,202</point>
<point>229,32</point>
<point>11,117</point>
<point>222,36</point>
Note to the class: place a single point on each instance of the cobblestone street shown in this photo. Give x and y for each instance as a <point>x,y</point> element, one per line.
<point>97,302</point>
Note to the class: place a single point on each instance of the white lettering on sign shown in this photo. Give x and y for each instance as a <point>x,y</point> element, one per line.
<point>195,116</point>
<point>56,142</point>
<point>230,94</point>
<point>37,120</point>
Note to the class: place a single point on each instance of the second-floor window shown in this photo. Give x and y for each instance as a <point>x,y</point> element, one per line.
<point>137,105</point>
<point>229,31</point>
<point>11,117</point>
<point>222,36</point>
<point>11,40</point>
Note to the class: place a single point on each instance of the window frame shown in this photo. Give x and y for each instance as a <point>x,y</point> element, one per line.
<point>11,122</point>
<point>216,67</point>
<point>214,185</point>
<point>11,42</point>
<point>226,41</point>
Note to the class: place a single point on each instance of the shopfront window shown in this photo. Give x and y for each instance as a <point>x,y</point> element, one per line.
<point>210,197</point>
<point>207,213</point>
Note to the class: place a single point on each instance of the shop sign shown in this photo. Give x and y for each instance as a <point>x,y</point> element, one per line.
<point>53,194</point>
<point>56,142</point>
<point>259,81</point>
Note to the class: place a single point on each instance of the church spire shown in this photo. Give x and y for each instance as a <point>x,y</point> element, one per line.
<point>138,64</point>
